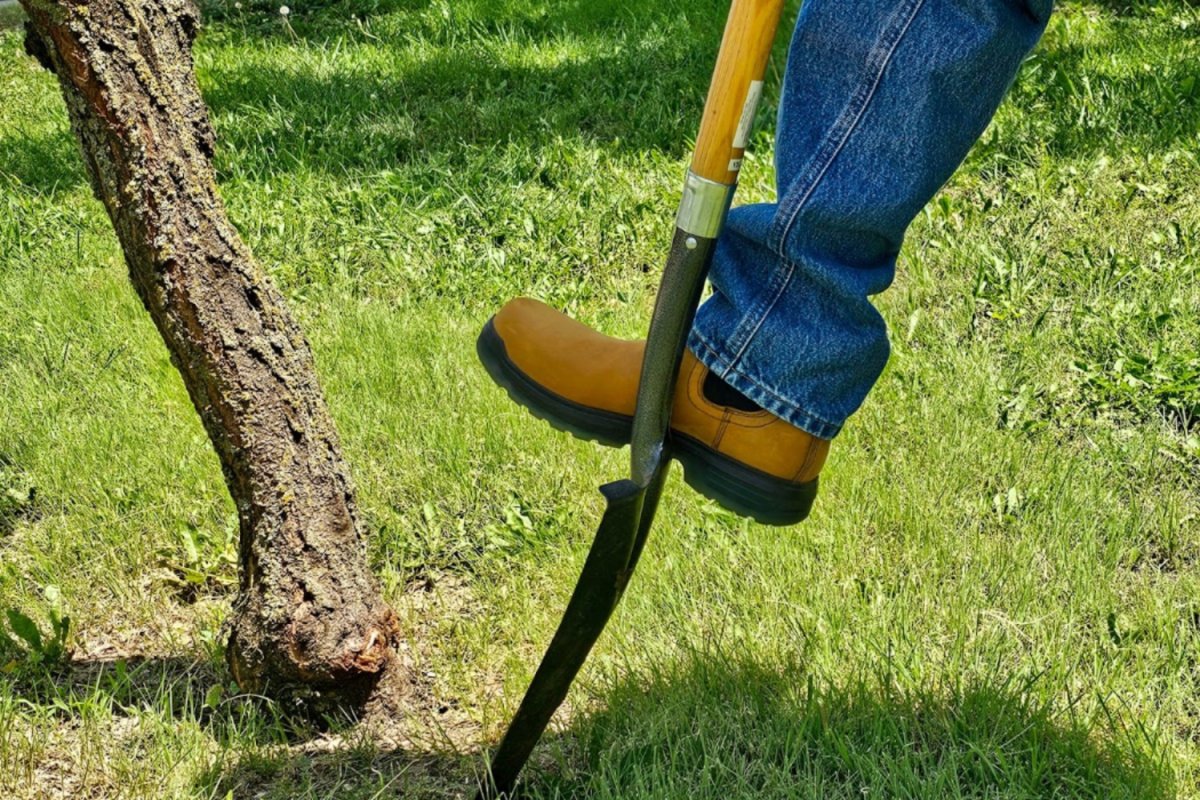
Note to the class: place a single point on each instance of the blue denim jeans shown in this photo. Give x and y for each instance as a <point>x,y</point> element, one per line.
<point>881,101</point>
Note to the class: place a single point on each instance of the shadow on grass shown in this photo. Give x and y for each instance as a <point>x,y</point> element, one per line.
<point>361,772</point>
<point>48,163</point>
<point>452,95</point>
<point>705,728</point>
<point>178,687</point>
<point>11,15</point>
<point>263,752</point>
<point>434,92</point>
<point>318,18</point>
<point>711,729</point>
<point>601,79</point>
<point>453,108</point>
<point>628,91</point>
<point>629,76</point>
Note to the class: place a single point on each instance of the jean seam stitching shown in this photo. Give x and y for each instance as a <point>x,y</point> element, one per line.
<point>860,107</point>
<point>762,318</point>
<point>711,350</point>
<point>856,109</point>
<point>747,327</point>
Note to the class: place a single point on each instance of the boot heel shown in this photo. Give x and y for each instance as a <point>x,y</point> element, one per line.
<point>741,489</point>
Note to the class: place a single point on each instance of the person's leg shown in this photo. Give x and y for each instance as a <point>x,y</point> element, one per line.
<point>881,101</point>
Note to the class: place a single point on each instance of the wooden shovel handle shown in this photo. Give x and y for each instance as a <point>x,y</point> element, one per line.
<point>736,84</point>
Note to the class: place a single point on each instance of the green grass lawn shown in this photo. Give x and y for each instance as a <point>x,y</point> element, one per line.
<point>998,595</point>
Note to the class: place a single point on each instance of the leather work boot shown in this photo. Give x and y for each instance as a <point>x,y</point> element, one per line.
<point>585,383</point>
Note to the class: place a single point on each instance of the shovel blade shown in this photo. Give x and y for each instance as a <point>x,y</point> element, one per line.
<point>601,583</point>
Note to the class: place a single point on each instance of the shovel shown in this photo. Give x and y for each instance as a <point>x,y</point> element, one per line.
<point>708,191</point>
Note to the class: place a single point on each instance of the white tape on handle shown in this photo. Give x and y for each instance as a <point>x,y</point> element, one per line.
<point>748,113</point>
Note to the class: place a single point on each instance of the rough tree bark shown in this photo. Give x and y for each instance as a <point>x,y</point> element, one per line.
<point>309,619</point>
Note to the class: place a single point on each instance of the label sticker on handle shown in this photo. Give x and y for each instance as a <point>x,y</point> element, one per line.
<point>748,112</point>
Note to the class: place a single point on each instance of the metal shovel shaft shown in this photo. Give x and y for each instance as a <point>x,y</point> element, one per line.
<point>631,504</point>
<point>629,513</point>
<point>601,583</point>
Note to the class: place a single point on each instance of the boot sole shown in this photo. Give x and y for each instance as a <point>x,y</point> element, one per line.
<point>739,488</point>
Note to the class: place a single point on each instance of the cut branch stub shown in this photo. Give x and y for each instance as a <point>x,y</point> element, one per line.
<point>309,617</point>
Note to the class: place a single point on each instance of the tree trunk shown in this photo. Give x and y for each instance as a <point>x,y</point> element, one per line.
<point>309,619</point>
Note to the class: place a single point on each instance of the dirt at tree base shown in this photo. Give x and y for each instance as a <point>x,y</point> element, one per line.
<point>421,744</point>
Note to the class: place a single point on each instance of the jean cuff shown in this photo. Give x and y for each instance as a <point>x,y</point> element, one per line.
<point>718,361</point>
